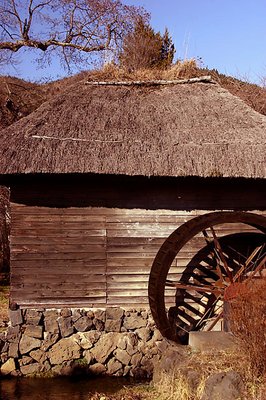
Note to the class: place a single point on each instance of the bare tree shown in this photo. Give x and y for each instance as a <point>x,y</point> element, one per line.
<point>73,28</point>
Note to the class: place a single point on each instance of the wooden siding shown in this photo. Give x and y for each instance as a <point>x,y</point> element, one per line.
<point>90,257</point>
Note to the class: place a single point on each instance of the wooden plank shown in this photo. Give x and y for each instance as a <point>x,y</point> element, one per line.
<point>53,294</point>
<point>76,233</point>
<point>59,286</point>
<point>58,256</point>
<point>59,218</point>
<point>85,265</point>
<point>57,279</point>
<point>59,248</point>
<point>39,240</point>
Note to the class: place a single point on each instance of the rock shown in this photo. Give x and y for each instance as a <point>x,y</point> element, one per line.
<point>223,385</point>
<point>64,350</point>
<point>134,322</point>
<point>8,367</point>
<point>49,340</point>
<point>113,366</point>
<point>38,355</point>
<point>114,313</point>
<point>88,339</point>
<point>136,359</point>
<point>28,343</point>
<point>147,365</point>
<point>99,325</point>
<point>15,317</point>
<point>128,342</point>
<point>33,317</point>
<point>127,370</point>
<point>50,321</point>
<point>144,334</point>
<point>122,356</point>
<point>13,334</point>
<point>100,315</point>
<point>30,369</point>
<point>65,326</point>
<point>76,315</point>
<point>97,369</point>
<point>65,312</point>
<point>13,350</point>
<point>83,324</point>
<point>34,331</point>
<point>88,356</point>
<point>25,360</point>
<point>113,325</point>
<point>105,346</point>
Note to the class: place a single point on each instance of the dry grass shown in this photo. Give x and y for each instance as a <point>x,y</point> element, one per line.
<point>26,97</point>
<point>248,316</point>
<point>188,381</point>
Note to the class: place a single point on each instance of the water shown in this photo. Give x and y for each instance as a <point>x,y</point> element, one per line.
<point>75,388</point>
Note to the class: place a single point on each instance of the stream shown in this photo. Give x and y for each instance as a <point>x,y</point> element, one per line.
<point>75,388</point>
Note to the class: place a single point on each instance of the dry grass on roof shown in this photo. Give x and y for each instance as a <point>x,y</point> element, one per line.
<point>19,98</point>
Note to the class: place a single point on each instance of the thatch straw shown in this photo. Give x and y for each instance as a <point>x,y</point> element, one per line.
<point>190,129</point>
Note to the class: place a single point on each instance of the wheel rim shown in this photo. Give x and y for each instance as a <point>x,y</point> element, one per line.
<point>182,315</point>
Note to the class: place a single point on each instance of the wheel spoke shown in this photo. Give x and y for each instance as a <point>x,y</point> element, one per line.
<point>190,286</point>
<point>221,255</point>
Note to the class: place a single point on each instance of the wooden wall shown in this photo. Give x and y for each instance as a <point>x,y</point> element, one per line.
<point>88,257</point>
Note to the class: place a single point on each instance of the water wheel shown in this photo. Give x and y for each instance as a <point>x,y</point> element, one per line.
<point>223,249</point>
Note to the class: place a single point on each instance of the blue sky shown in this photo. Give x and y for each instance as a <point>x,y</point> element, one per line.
<point>229,35</point>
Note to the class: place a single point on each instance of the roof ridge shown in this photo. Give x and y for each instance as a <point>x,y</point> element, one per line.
<point>204,79</point>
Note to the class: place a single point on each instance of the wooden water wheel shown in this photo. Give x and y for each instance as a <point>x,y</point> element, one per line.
<point>223,249</point>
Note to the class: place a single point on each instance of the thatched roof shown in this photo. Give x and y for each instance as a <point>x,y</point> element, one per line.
<point>189,129</point>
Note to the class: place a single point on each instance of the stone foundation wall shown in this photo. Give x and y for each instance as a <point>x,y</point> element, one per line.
<point>63,342</point>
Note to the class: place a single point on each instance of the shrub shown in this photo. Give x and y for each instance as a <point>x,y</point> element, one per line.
<point>248,323</point>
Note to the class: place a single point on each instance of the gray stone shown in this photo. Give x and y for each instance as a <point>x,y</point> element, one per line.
<point>144,334</point>
<point>64,350</point>
<point>128,342</point>
<point>33,317</point>
<point>25,360</point>
<point>87,355</point>
<point>97,369</point>
<point>50,322</point>
<point>113,366</point>
<point>65,326</point>
<point>83,324</point>
<point>34,331</point>
<point>122,356</point>
<point>127,370</point>
<point>13,350</point>
<point>113,325</point>
<point>134,322</point>
<point>30,369</point>
<point>15,317</point>
<point>8,367</point>
<point>223,385</point>
<point>147,365</point>
<point>28,343</point>
<point>100,315</point>
<point>105,346</point>
<point>136,359</point>
<point>49,341</point>
<point>5,347</point>
<point>88,339</point>
<point>114,313</point>
<point>38,355</point>
<point>66,312</point>
<point>213,340</point>
<point>13,334</point>
<point>99,324</point>
<point>76,315</point>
